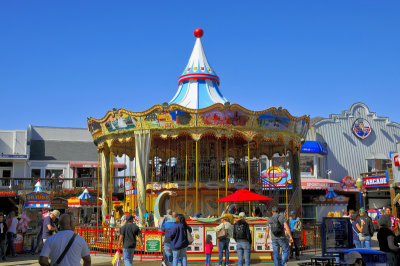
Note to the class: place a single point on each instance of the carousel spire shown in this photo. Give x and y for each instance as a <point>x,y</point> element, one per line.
<point>198,84</point>
<point>38,187</point>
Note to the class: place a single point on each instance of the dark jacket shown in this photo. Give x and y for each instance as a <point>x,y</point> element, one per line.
<point>241,231</point>
<point>386,239</point>
<point>368,228</point>
<point>4,234</point>
<point>178,236</point>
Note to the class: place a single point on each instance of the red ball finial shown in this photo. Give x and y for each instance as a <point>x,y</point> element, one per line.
<point>198,33</point>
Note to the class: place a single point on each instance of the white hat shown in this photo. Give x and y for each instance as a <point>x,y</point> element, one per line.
<point>351,257</point>
<point>242,215</point>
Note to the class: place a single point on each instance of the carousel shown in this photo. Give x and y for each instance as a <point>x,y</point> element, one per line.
<point>197,148</point>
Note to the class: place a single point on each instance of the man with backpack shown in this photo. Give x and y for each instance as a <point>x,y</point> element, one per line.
<point>277,224</point>
<point>166,227</point>
<point>367,229</point>
<point>242,236</point>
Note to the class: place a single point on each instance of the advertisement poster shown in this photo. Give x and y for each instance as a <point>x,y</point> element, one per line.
<point>213,235</point>
<point>198,236</point>
<point>152,242</point>
<point>259,234</point>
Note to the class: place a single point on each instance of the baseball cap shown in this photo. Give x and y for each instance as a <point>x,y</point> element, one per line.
<point>362,210</point>
<point>351,257</point>
<point>242,215</point>
<point>292,213</point>
<point>56,213</point>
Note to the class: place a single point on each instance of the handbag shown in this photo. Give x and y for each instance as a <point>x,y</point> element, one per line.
<point>65,251</point>
<point>223,233</point>
<point>116,261</point>
<point>360,235</point>
<point>189,237</point>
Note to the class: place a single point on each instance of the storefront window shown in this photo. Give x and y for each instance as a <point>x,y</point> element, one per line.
<point>307,166</point>
<point>377,165</point>
<point>35,173</point>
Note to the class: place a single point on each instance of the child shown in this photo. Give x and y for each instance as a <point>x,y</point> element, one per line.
<point>209,247</point>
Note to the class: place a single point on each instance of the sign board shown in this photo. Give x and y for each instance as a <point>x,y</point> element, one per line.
<point>336,234</point>
<point>362,128</point>
<point>376,181</point>
<point>259,234</point>
<point>14,156</point>
<point>152,242</point>
<point>276,178</point>
<point>37,197</point>
<point>198,237</point>
<point>395,167</point>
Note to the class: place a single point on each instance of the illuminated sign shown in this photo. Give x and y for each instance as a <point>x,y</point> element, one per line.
<point>376,181</point>
<point>275,177</point>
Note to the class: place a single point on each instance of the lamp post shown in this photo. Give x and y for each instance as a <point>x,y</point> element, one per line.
<point>359,184</point>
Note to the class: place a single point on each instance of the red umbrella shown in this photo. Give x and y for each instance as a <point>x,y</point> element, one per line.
<point>372,211</point>
<point>243,195</point>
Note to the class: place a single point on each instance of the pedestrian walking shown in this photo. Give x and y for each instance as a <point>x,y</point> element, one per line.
<point>295,229</point>
<point>49,226</point>
<point>127,239</point>
<point>39,236</point>
<point>179,240</point>
<point>278,224</point>
<point>12,223</point>
<point>242,236</point>
<point>208,249</point>
<point>3,236</point>
<point>65,248</point>
<point>224,233</point>
<point>355,230</point>
<point>366,227</point>
<point>166,227</point>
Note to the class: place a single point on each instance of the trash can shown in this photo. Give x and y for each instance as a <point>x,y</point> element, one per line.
<point>19,243</point>
<point>371,257</point>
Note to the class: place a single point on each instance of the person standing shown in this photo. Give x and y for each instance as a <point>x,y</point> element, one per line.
<point>395,224</point>
<point>295,229</point>
<point>166,227</point>
<point>278,225</point>
<point>242,236</point>
<point>223,243</point>
<point>3,236</point>
<point>127,239</point>
<point>39,236</point>
<point>208,249</point>
<point>366,227</point>
<point>355,230</point>
<point>57,244</point>
<point>49,226</point>
<point>387,239</point>
<point>11,233</point>
<point>179,240</point>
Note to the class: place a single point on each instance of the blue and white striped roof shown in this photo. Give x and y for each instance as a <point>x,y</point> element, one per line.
<point>38,187</point>
<point>37,205</point>
<point>85,195</point>
<point>198,84</point>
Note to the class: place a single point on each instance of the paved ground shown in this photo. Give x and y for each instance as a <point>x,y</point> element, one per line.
<point>25,259</point>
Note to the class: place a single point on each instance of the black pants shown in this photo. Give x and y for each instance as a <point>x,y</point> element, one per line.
<point>296,246</point>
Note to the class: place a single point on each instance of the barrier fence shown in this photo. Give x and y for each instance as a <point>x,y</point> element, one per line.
<point>104,240</point>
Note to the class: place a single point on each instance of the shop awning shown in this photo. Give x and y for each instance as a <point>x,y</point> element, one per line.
<point>320,184</point>
<point>37,205</point>
<point>311,146</point>
<point>93,165</point>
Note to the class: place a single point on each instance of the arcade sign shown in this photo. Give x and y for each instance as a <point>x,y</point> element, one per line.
<point>376,181</point>
<point>362,128</point>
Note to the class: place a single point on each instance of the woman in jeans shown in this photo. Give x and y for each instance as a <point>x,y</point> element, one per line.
<point>223,244</point>
<point>179,240</point>
<point>355,230</point>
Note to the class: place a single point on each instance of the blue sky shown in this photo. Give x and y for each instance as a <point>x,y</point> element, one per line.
<point>63,61</point>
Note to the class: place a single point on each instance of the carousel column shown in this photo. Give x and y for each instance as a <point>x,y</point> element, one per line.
<point>142,150</point>
<point>105,158</point>
<point>294,160</point>
<point>197,179</point>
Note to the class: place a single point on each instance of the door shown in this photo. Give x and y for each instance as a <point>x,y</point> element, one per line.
<point>5,175</point>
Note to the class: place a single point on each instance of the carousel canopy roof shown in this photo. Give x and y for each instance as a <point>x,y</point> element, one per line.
<point>38,187</point>
<point>198,84</point>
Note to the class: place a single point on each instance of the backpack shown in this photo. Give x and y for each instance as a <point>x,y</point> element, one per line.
<point>240,231</point>
<point>277,228</point>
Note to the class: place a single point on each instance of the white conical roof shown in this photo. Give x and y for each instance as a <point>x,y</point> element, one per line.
<point>198,84</point>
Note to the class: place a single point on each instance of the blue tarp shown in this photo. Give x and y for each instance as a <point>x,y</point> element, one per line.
<point>311,146</point>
